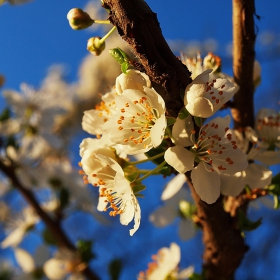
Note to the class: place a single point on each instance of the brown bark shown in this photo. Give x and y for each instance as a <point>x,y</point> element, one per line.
<point>243,62</point>
<point>138,26</point>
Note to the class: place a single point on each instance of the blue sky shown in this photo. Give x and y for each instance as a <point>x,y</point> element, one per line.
<point>37,35</point>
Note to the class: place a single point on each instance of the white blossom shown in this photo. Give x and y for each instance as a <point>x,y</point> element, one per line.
<point>165,265</point>
<point>211,154</point>
<point>115,190</point>
<point>28,219</point>
<point>140,121</point>
<point>205,95</point>
<point>63,264</point>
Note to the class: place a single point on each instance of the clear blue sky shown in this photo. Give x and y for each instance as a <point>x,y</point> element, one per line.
<point>37,35</point>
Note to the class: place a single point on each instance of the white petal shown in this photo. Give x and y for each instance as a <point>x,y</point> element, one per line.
<point>186,229</point>
<point>14,238</point>
<point>258,176</point>
<point>157,131</point>
<point>232,185</point>
<point>173,186</point>
<point>25,260</point>
<point>268,157</point>
<point>200,107</point>
<point>55,269</point>
<point>179,158</point>
<point>206,184</point>
<point>137,218</point>
<point>181,131</point>
<point>163,216</point>
<point>133,79</point>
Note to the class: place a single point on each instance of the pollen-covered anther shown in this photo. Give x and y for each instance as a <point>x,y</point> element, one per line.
<point>80,164</point>
<point>221,92</point>
<point>81,172</point>
<point>209,152</point>
<point>135,101</point>
<point>123,110</point>
<point>229,136</point>
<point>120,128</point>
<point>126,104</point>
<point>229,161</point>
<point>220,167</point>
<point>119,121</point>
<point>125,140</point>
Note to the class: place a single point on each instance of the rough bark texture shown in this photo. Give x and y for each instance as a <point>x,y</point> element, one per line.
<point>243,62</point>
<point>138,26</point>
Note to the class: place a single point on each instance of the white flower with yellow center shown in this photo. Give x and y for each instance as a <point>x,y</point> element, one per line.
<point>140,121</point>
<point>93,120</point>
<point>165,265</point>
<point>115,191</point>
<point>133,79</point>
<point>205,96</point>
<point>211,154</point>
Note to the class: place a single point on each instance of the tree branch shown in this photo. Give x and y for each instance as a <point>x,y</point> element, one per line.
<point>139,27</point>
<point>54,227</point>
<point>243,62</point>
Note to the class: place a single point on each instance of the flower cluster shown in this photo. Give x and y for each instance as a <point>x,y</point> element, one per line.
<point>130,120</point>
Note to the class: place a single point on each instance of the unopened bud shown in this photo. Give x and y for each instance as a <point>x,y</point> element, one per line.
<point>95,45</point>
<point>78,19</point>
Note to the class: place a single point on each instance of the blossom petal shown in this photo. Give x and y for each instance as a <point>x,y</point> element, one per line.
<point>137,218</point>
<point>157,131</point>
<point>179,158</point>
<point>181,131</point>
<point>25,260</point>
<point>186,229</point>
<point>258,176</point>
<point>173,186</point>
<point>232,185</point>
<point>163,216</point>
<point>206,184</point>
<point>55,269</point>
<point>268,157</point>
<point>200,107</point>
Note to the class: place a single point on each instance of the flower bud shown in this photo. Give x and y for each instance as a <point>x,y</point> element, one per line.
<point>133,79</point>
<point>95,45</point>
<point>78,19</point>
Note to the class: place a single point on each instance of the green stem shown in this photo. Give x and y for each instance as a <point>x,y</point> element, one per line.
<point>146,160</point>
<point>154,171</point>
<point>107,35</point>
<point>144,171</point>
<point>101,21</point>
